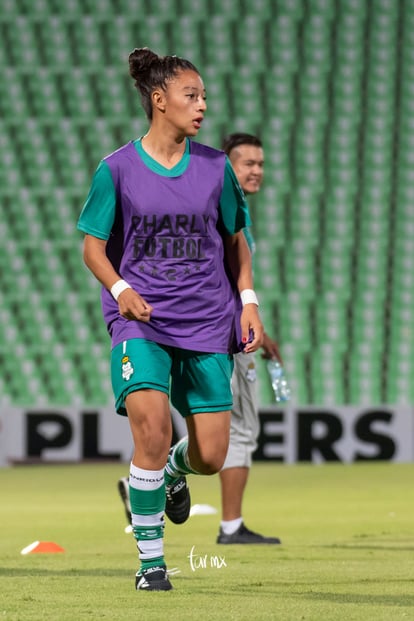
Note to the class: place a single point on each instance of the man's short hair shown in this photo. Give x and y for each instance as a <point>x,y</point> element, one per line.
<point>232,141</point>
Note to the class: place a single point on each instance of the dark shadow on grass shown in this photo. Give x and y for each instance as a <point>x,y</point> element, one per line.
<point>354,598</point>
<point>382,547</point>
<point>34,571</point>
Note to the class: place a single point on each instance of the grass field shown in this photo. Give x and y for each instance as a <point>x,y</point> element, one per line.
<point>347,551</point>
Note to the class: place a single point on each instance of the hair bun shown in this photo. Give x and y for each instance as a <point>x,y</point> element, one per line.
<point>140,60</point>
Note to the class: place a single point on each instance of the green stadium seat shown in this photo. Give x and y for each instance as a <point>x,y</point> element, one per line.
<point>168,9</point>
<point>370,280</point>
<point>218,48</point>
<point>339,204</point>
<point>5,57</point>
<point>379,37</point>
<point>19,391</point>
<point>130,9</point>
<point>292,8</point>
<point>32,144</point>
<point>268,212</point>
<point>87,41</point>
<point>335,227</point>
<point>69,156</point>
<point>268,315</point>
<point>312,83</point>
<point>349,35</point>
<point>294,356</point>
<point>9,10</point>
<point>280,98</point>
<point>399,388</point>
<point>56,43</point>
<point>71,8</point>
<point>43,94</point>
<point>267,269</point>
<point>294,324</point>
<point>378,228</point>
<point>388,8</point>
<point>352,10</point>
<point>312,175</point>
<point>118,38</point>
<point>322,8</point>
<point>245,85</point>
<point>228,9</point>
<point>331,323</point>
<point>363,330</point>
<point>77,94</point>
<point>111,90</point>
<point>216,82</point>
<point>198,9</point>
<point>22,41</point>
<point>107,7</point>
<point>14,102</point>
<point>250,41</point>
<point>365,374</point>
<point>316,43</point>
<point>283,43</point>
<point>308,138</point>
<point>365,390</point>
<point>339,250</point>
<point>10,164</point>
<point>185,40</point>
<point>327,375</point>
<point>335,271</point>
<point>263,9</point>
<point>267,283</point>
<point>304,231</point>
<point>25,205</point>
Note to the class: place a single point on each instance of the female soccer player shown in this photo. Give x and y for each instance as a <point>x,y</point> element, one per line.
<point>163,227</point>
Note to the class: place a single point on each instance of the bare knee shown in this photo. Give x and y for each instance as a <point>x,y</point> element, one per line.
<point>207,461</point>
<point>208,441</point>
<point>151,429</point>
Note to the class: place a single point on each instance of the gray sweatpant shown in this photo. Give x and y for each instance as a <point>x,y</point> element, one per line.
<point>245,426</point>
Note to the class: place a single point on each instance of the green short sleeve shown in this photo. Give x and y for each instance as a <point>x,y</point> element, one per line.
<point>234,211</point>
<point>98,213</point>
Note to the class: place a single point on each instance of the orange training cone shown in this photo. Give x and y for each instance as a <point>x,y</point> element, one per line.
<point>42,547</point>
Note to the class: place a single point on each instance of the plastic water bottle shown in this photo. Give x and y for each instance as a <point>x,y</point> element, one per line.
<point>279,382</point>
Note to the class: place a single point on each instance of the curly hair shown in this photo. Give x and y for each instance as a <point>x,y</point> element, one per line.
<point>151,71</point>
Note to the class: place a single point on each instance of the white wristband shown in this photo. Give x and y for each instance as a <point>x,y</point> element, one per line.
<point>248,296</point>
<point>118,288</point>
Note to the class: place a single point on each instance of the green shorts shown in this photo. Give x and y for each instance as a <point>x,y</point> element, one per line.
<point>196,382</point>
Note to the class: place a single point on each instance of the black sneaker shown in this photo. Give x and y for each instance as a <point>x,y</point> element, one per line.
<point>123,489</point>
<point>244,535</point>
<point>178,501</point>
<point>153,579</point>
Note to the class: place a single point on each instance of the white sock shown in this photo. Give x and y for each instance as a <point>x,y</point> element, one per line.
<point>229,527</point>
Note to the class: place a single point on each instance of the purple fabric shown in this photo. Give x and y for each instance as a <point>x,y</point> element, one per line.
<point>166,245</point>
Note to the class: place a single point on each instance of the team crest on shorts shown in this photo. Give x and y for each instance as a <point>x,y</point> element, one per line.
<point>251,372</point>
<point>127,368</point>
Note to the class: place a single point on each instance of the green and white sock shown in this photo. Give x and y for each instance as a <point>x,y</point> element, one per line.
<point>178,463</point>
<point>147,495</point>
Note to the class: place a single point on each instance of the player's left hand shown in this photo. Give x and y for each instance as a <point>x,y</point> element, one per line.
<point>251,328</point>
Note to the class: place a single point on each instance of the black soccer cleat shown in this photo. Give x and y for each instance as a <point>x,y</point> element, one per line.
<point>178,501</point>
<point>123,489</point>
<point>153,579</point>
<point>244,535</point>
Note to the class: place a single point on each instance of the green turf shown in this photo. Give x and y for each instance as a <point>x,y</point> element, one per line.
<point>347,553</point>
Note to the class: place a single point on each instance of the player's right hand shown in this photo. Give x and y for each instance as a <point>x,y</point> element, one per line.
<point>133,307</point>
